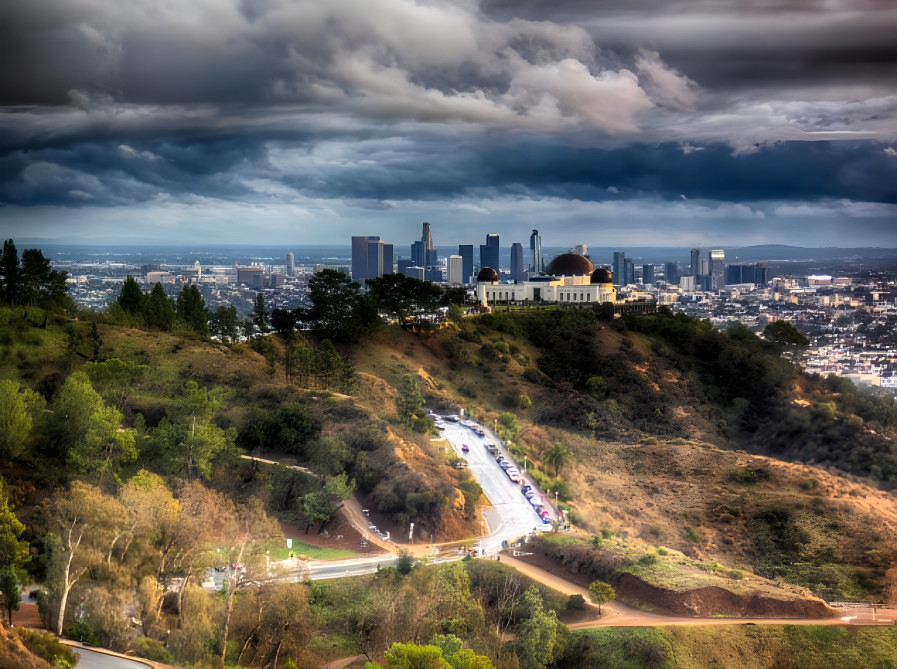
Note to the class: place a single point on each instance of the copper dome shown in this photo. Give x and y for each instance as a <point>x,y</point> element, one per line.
<point>487,275</point>
<point>570,264</point>
<point>601,275</point>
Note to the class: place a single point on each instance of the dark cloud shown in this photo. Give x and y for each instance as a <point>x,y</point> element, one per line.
<point>752,108</point>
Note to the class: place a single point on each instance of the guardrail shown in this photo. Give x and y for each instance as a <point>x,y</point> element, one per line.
<point>856,605</point>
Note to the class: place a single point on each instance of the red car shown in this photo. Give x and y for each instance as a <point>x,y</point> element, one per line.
<point>465,448</point>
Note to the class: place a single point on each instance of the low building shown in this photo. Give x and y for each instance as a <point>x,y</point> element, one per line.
<point>568,279</point>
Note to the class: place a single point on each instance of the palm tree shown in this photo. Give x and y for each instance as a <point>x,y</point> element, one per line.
<point>556,457</point>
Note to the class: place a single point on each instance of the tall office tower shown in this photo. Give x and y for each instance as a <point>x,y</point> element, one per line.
<point>371,258</point>
<point>456,270</point>
<point>386,264</point>
<point>360,257</point>
<point>518,273</point>
<point>619,277</point>
<point>537,261</point>
<point>291,264</point>
<point>628,271</point>
<point>648,275</point>
<point>428,252</point>
<point>403,265</point>
<point>717,269</point>
<point>489,252</point>
<point>466,253</point>
<point>671,273</point>
<point>418,255</point>
<point>695,262</point>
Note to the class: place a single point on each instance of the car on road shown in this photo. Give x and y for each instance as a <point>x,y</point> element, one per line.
<point>545,516</point>
<point>465,448</point>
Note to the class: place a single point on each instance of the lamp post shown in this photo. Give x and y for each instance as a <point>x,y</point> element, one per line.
<point>524,464</point>
<point>556,502</point>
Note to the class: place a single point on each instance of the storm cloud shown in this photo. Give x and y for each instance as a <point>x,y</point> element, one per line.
<point>265,111</point>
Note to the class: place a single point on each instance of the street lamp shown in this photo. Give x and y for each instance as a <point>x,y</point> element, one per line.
<point>556,501</point>
<point>524,464</point>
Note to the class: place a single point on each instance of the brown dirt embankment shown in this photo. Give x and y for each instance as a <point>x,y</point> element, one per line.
<point>705,601</point>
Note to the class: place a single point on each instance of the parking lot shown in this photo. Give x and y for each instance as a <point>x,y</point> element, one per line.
<point>511,515</point>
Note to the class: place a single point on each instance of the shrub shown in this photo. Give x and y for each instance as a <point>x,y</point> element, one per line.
<point>809,484</point>
<point>648,559</point>
<point>736,574</point>
<point>82,632</point>
<point>596,541</point>
<point>690,534</point>
<point>47,647</point>
<point>606,533</point>
<point>577,602</point>
<point>662,551</point>
<point>151,649</point>
<point>743,476</point>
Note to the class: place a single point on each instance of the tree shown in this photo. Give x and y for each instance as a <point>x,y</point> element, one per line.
<point>82,522</point>
<point>261,319</point>
<point>402,295</point>
<point>18,409</point>
<point>191,309</point>
<point>455,314</point>
<point>601,593</point>
<point>76,402</point>
<point>114,379</point>
<point>556,457</point>
<point>537,635</point>
<point>9,272</point>
<point>9,590</point>
<point>409,399</point>
<point>339,310</point>
<point>158,311</point>
<point>784,332</point>
<point>39,283</point>
<point>283,321</point>
<point>105,447</point>
<point>596,386</point>
<point>224,323</point>
<point>131,297</point>
<point>12,550</point>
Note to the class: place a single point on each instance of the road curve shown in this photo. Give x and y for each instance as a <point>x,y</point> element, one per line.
<point>99,659</point>
<point>616,614</point>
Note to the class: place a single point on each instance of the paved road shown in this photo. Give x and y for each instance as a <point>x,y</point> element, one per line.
<point>91,659</point>
<point>511,515</point>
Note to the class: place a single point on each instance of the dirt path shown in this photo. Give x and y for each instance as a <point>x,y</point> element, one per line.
<point>616,614</point>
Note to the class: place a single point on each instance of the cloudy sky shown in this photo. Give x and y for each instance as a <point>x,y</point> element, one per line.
<point>610,122</point>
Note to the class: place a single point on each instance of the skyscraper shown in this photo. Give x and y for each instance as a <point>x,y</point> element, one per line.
<point>291,264</point>
<point>619,278</point>
<point>671,273</point>
<point>428,252</point>
<point>456,270</point>
<point>371,258</point>
<point>489,252</point>
<point>647,274</point>
<point>717,269</point>
<point>418,254</point>
<point>696,262</point>
<point>537,261</point>
<point>628,271</point>
<point>466,253</point>
<point>517,271</point>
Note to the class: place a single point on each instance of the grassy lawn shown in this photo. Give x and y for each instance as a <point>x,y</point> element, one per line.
<point>281,552</point>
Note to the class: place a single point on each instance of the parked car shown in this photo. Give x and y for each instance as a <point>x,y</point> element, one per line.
<point>465,448</point>
<point>545,516</point>
<point>529,494</point>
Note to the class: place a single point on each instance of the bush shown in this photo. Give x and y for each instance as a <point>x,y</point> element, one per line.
<point>577,602</point>
<point>82,632</point>
<point>151,649</point>
<point>662,551</point>
<point>809,484</point>
<point>596,541</point>
<point>648,559</point>
<point>47,647</point>
<point>743,476</point>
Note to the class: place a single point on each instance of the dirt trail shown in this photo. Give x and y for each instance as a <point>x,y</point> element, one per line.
<point>616,614</point>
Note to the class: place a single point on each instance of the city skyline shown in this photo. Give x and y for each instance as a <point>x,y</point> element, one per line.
<point>628,124</point>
